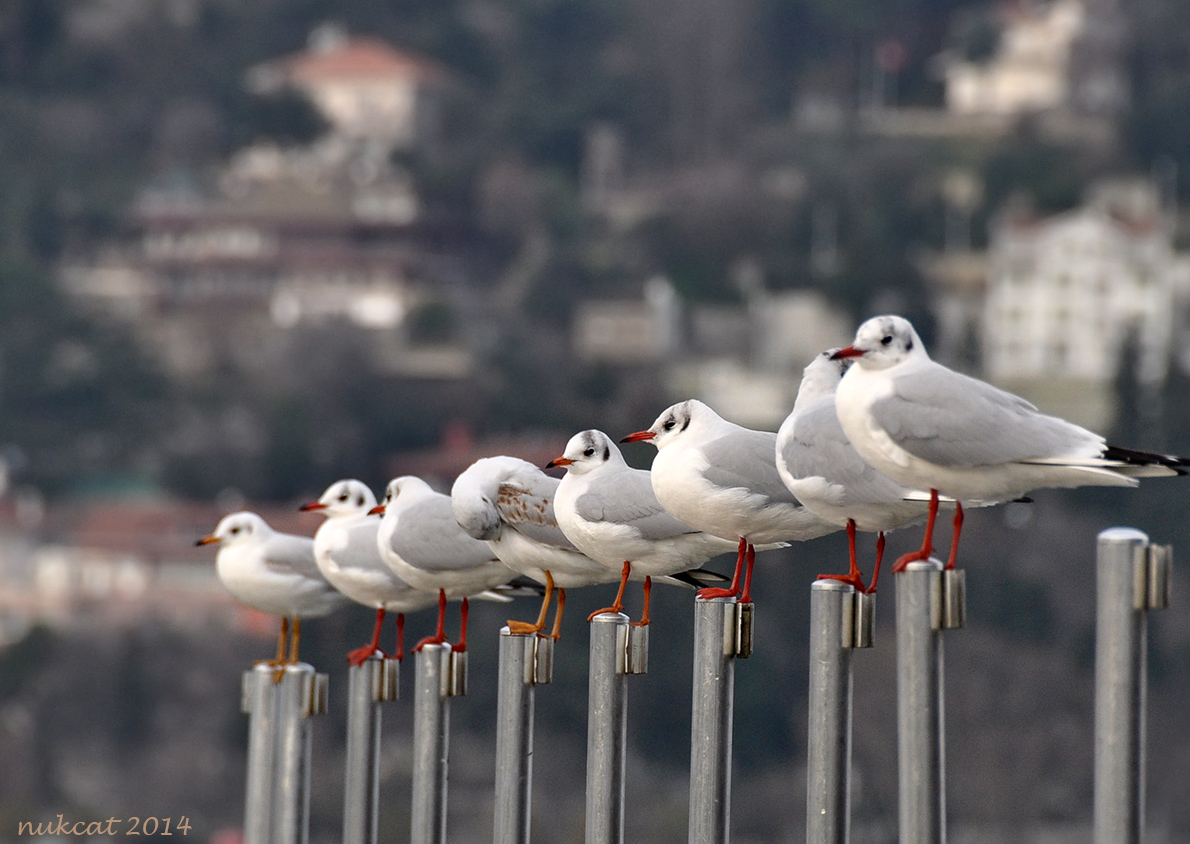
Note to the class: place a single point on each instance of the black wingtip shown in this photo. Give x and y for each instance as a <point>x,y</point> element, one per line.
<point>1133,457</point>
<point>700,578</point>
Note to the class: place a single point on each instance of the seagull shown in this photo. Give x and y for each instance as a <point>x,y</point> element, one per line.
<point>273,572</point>
<point>608,509</point>
<point>509,503</point>
<point>929,427</point>
<point>821,468</point>
<point>347,554</point>
<point>422,543</point>
<point>722,478</point>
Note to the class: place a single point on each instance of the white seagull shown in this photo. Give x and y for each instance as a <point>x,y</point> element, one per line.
<point>609,510</point>
<point>273,572</point>
<point>346,552</point>
<point>722,478</point>
<point>821,468</point>
<point>420,540</point>
<point>929,427</point>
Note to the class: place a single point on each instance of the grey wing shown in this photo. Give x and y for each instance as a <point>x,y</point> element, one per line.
<point>530,511</point>
<point>950,419</point>
<point>819,448</point>
<point>428,537</point>
<point>285,552</point>
<point>627,498</point>
<point>747,459</point>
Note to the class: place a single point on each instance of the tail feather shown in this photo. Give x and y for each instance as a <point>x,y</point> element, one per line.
<point>1146,463</point>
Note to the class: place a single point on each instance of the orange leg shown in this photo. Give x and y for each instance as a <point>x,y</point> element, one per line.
<point>282,638</point>
<point>400,636</point>
<point>746,596</point>
<point>359,655</point>
<point>523,627</point>
<point>927,544</point>
<point>440,635</point>
<point>618,604</point>
<point>853,576</point>
<point>648,593</point>
<point>958,528</point>
<point>297,634</point>
<point>461,645</point>
<point>556,633</point>
<point>734,589</point>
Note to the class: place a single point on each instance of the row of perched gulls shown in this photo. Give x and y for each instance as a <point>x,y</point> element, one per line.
<point>880,437</point>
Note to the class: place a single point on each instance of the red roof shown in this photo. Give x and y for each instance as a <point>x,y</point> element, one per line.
<point>359,58</point>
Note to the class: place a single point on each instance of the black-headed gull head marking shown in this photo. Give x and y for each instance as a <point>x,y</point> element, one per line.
<point>236,527</point>
<point>587,451</point>
<point>884,341</point>
<point>347,498</point>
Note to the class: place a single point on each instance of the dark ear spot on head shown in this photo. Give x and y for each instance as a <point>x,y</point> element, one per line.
<point>686,424</point>
<point>909,345</point>
<point>607,453</point>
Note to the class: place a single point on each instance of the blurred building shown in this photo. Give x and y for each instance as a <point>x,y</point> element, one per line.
<point>1049,55</point>
<point>1066,295</point>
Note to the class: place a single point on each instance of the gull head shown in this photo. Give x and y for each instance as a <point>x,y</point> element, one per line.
<point>884,341</point>
<point>472,497</point>
<point>344,498</point>
<point>405,488</point>
<point>674,421</point>
<point>237,528</point>
<point>587,451</point>
<point>822,375</point>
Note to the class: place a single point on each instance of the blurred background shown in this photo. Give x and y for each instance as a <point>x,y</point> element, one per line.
<point>250,247</point>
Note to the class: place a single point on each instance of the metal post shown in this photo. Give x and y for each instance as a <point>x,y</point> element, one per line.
<point>300,694</point>
<point>368,685</point>
<point>920,722</point>
<point>525,661</point>
<point>259,701</point>
<point>607,728</point>
<point>828,753</point>
<point>431,744</point>
<point>1132,578</point>
<point>711,720</point>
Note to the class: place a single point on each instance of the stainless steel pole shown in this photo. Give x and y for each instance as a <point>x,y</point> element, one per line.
<point>368,685</point>
<point>607,729</point>
<point>514,736</point>
<point>828,753</point>
<point>431,744</point>
<point>259,701</point>
<point>1130,580</point>
<point>711,720</point>
<point>300,694</point>
<point>920,720</point>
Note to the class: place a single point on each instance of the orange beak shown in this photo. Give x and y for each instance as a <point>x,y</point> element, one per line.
<point>639,436</point>
<point>378,510</point>
<point>848,352</point>
<point>313,505</point>
<point>558,461</point>
<point>207,540</point>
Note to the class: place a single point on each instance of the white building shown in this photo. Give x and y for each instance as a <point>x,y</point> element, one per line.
<point>366,90</point>
<point>1064,296</point>
<point>1061,54</point>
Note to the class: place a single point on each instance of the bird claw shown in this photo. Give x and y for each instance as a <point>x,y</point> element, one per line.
<point>613,610</point>
<point>854,579</point>
<point>716,592</point>
<point>523,628</point>
<point>359,656</point>
<point>429,640</point>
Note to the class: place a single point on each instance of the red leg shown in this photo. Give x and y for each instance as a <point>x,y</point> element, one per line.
<point>648,591</point>
<point>461,645</point>
<point>556,633</point>
<point>359,655</point>
<point>525,627</point>
<point>853,576</point>
<point>734,589</point>
<point>619,602</point>
<point>400,636</point>
<point>958,528</point>
<point>440,636</point>
<point>879,557</point>
<point>746,596</point>
<point>927,543</point>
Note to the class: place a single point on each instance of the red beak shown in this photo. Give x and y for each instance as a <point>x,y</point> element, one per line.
<point>849,352</point>
<point>639,436</point>
<point>378,510</point>
<point>558,461</point>
<point>313,505</point>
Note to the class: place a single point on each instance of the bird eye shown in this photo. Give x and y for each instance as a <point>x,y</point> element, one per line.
<point>669,424</point>
<point>344,497</point>
<point>588,452</point>
<point>235,530</point>
<point>884,341</point>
